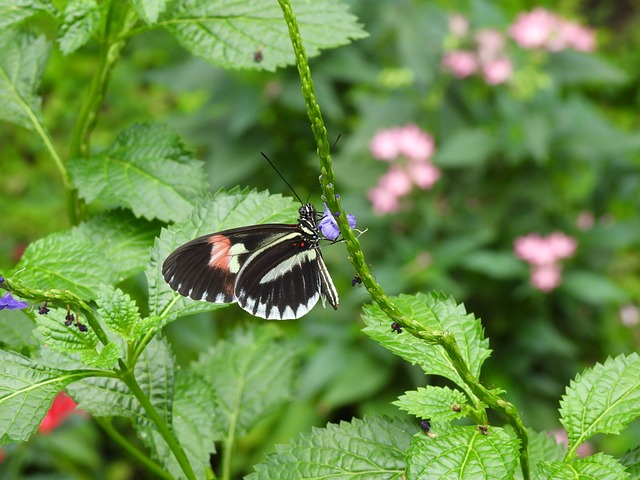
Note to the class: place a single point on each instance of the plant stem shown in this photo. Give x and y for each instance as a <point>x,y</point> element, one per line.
<point>127,446</point>
<point>127,376</point>
<point>356,255</point>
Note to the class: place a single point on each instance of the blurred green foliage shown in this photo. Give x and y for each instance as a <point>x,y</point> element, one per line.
<point>512,163</point>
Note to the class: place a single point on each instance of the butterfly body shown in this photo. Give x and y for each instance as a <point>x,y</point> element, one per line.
<point>273,271</point>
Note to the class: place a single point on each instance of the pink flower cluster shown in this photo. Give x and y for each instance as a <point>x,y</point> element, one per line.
<point>487,58</point>
<point>544,255</point>
<point>408,149</point>
<point>543,29</point>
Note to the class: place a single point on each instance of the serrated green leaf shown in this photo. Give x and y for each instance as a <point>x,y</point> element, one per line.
<point>229,33</point>
<point>61,337</point>
<point>542,448</point>
<point>224,210</point>
<point>603,399</point>
<point>194,423</point>
<point>105,359</point>
<point>631,460</point>
<point>15,11</point>
<point>80,20</point>
<point>594,467</point>
<point>149,10</point>
<point>252,374</point>
<point>154,372</point>
<point>16,330</point>
<point>463,452</point>
<point>433,403</point>
<point>147,169</point>
<point>435,312</point>
<point>118,311</point>
<point>373,448</point>
<point>22,64</point>
<point>26,392</point>
<point>105,249</point>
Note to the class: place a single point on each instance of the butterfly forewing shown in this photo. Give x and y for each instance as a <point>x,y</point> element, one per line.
<point>273,271</point>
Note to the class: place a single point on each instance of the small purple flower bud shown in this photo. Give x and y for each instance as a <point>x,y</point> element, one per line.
<point>9,303</point>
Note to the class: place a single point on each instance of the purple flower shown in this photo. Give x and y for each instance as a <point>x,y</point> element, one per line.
<point>10,303</point>
<point>328,225</point>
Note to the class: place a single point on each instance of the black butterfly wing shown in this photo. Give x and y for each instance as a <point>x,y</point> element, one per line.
<point>206,268</point>
<point>283,281</point>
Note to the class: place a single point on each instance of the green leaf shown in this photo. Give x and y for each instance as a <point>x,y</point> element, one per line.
<point>571,68</point>
<point>22,64</point>
<point>228,33</point>
<point>118,312</point>
<point>603,399</point>
<point>434,312</point>
<point>106,396</point>
<point>80,20</point>
<point>432,403</point>
<point>15,11</point>
<point>467,147</point>
<point>105,249</point>
<point>61,337</point>
<point>631,460</point>
<point>149,10</point>
<point>499,265</point>
<point>105,359</point>
<point>593,467</point>
<point>252,374</point>
<point>194,424</point>
<point>26,393</point>
<point>542,448</point>
<point>16,330</point>
<point>147,169</point>
<point>463,452</point>
<point>224,210</point>
<point>593,289</point>
<point>372,448</point>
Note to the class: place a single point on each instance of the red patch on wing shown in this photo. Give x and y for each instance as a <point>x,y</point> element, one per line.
<point>220,246</point>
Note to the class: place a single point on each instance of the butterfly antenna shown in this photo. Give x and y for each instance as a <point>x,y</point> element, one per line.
<point>280,175</point>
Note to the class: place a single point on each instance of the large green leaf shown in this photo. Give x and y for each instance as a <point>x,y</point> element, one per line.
<point>593,467</point>
<point>463,453</point>
<point>26,393</point>
<point>251,373</point>
<point>603,399</point>
<point>149,10</point>
<point>434,312</point>
<point>433,403</point>
<point>373,448</point>
<point>105,249</point>
<point>22,63</point>
<point>147,169</point>
<point>118,311</point>
<point>224,210</point>
<point>228,33</point>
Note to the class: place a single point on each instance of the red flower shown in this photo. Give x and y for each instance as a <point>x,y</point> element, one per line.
<point>61,408</point>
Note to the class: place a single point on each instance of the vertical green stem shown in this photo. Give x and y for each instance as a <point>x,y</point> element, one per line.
<point>356,255</point>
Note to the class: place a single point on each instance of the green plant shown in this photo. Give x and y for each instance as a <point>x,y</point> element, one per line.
<point>122,200</point>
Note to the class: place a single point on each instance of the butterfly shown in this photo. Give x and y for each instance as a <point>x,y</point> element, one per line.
<point>273,271</point>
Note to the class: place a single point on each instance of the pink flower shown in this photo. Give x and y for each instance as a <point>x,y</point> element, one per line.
<point>497,71</point>
<point>585,220</point>
<point>414,143</point>
<point>561,438</point>
<point>533,29</point>
<point>383,201</point>
<point>384,146</point>
<point>462,63</point>
<point>424,174</point>
<point>629,315</point>
<point>458,25</point>
<point>546,277</point>
<point>396,181</point>
<point>60,409</point>
<point>490,43</point>
<point>561,245</point>
<point>576,36</point>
